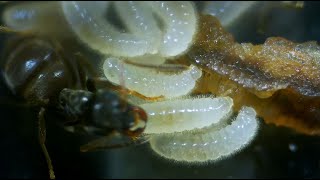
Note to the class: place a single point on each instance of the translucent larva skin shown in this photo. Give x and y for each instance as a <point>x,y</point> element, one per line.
<point>208,143</point>
<point>149,59</point>
<point>35,16</point>
<point>88,22</point>
<point>142,34</point>
<point>149,81</point>
<point>186,114</point>
<point>181,24</point>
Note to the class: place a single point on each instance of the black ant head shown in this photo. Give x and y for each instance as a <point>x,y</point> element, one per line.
<point>110,111</point>
<point>75,103</point>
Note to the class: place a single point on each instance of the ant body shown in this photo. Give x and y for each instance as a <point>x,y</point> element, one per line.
<point>37,70</point>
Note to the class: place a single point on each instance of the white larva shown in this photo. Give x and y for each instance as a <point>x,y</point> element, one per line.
<point>181,24</point>
<point>143,34</point>
<point>208,144</point>
<point>148,59</point>
<point>87,20</point>
<point>35,16</point>
<point>186,114</point>
<point>139,20</point>
<point>151,82</point>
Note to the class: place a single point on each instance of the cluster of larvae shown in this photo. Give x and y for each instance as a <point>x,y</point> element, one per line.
<point>168,52</point>
<point>181,127</point>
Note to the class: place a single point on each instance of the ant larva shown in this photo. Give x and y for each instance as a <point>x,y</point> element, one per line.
<point>183,126</point>
<point>40,72</point>
<point>165,80</point>
<point>156,80</point>
<point>210,143</point>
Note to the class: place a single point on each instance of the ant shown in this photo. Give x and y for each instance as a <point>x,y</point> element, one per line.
<point>37,70</point>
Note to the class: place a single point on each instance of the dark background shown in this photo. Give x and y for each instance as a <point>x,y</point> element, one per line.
<point>276,152</point>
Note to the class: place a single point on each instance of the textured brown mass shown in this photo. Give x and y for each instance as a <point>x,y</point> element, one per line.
<point>279,79</point>
<point>276,64</point>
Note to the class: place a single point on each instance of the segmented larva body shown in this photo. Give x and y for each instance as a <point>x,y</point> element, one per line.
<point>181,23</point>
<point>168,34</point>
<point>186,114</point>
<point>88,22</point>
<point>151,82</point>
<point>212,143</point>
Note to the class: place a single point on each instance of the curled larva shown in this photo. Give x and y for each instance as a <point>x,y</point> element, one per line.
<point>35,16</point>
<point>180,25</point>
<point>210,143</point>
<point>87,20</point>
<point>166,28</point>
<point>178,115</point>
<point>151,82</point>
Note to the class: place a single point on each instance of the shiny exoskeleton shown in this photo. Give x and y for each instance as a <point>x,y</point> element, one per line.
<point>80,105</point>
<point>39,71</point>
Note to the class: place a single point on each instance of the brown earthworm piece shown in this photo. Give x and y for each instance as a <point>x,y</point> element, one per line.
<point>280,78</point>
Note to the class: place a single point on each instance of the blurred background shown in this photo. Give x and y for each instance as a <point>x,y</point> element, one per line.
<point>275,152</point>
